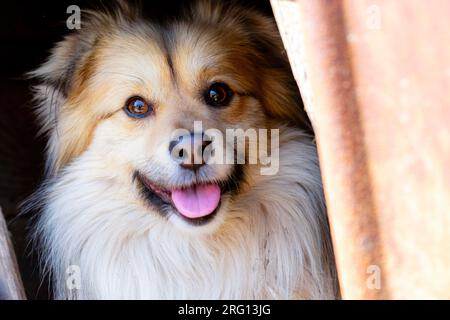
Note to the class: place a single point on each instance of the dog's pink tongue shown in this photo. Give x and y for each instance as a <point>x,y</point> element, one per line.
<point>197,201</point>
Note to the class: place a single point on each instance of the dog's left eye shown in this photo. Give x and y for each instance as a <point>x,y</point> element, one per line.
<point>218,95</point>
<point>137,107</point>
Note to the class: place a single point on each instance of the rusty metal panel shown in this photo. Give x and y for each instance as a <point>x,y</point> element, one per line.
<point>11,287</point>
<point>375,78</point>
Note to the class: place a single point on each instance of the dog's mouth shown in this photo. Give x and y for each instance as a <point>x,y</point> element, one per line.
<point>195,203</point>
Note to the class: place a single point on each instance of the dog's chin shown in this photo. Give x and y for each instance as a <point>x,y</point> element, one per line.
<point>160,198</point>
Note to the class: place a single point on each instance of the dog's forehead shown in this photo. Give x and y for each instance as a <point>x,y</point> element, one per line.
<point>164,65</point>
<point>183,55</point>
<point>193,52</point>
<point>133,56</point>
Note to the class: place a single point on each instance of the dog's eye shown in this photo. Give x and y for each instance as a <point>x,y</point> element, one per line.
<point>137,107</point>
<point>218,95</point>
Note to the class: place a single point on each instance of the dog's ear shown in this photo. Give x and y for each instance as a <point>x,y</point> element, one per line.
<point>64,71</point>
<point>281,94</point>
<point>278,89</point>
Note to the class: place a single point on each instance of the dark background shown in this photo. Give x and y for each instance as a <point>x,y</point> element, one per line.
<point>28,30</point>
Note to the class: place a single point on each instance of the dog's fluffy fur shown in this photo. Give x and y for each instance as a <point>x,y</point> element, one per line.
<point>269,239</point>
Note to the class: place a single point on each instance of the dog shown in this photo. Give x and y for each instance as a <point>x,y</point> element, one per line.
<point>125,212</point>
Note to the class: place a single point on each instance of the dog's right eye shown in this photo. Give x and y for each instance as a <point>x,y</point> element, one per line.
<point>137,107</point>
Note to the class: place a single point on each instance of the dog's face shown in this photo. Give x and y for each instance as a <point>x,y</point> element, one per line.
<point>131,86</point>
<point>145,93</point>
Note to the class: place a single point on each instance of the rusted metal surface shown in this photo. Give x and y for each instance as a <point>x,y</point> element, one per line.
<point>11,287</point>
<point>375,78</point>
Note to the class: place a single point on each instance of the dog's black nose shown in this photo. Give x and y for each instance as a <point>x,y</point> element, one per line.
<point>188,150</point>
